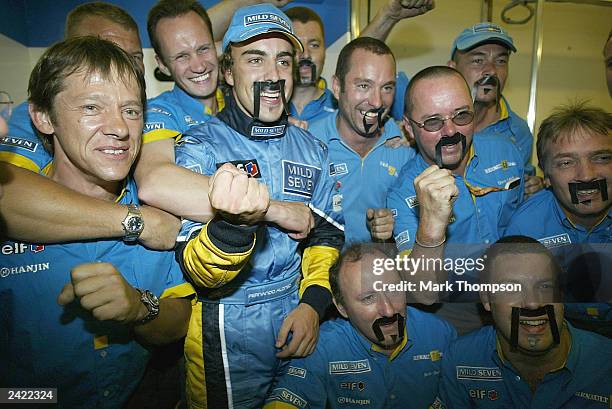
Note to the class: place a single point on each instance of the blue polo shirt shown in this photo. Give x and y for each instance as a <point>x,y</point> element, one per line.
<point>347,371</point>
<point>173,112</point>
<point>515,129</point>
<point>22,147</point>
<point>475,376</point>
<point>566,241</point>
<point>362,182</point>
<point>476,219</point>
<point>316,108</point>
<point>94,364</point>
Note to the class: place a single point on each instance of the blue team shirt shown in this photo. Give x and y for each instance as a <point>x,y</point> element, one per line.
<point>475,220</point>
<point>22,146</point>
<point>316,108</point>
<point>565,240</point>
<point>346,371</point>
<point>362,182</point>
<point>172,113</point>
<point>515,129</point>
<point>94,364</point>
<point>474,376</point>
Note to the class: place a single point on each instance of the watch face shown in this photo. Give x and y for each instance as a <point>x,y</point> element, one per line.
<point>134,224</point>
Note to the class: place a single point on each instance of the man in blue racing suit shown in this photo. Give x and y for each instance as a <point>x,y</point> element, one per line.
<point>250,320</point>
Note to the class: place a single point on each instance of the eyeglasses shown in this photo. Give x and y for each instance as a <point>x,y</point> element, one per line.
<point>6,105</point>
<point>434,124</point>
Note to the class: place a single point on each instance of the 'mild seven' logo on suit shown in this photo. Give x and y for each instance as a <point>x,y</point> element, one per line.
<point>299,179</point>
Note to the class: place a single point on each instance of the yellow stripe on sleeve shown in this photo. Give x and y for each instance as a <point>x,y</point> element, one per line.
<point>210,267</point>
<point>159,134</point>
<point>20,161</point>
<point>316,262</point>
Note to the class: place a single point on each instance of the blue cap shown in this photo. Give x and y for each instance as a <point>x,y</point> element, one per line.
<point>481,33</point>
<point>251,21</point>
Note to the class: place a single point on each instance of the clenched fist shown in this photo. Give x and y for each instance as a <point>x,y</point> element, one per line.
<point>236,197</point>
<point>400,9</point>
<point>101,289</point>
<point>436,192</point>
<point>380,224</point>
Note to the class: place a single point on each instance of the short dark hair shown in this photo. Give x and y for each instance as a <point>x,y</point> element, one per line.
<point>75,55</point>
<point>566,120</point>
<point>353,253</point>
<point>515,245</point>
<point>98,9</point>
<point>370,44</point>
<point>305,15</point>
<point>171,9</point>
<point>436,71</point>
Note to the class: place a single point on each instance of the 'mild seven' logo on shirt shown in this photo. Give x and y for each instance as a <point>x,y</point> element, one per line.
<point>299,179</point>
<point>19,143</point>
<point>475,372</point>
<point>344,367</point>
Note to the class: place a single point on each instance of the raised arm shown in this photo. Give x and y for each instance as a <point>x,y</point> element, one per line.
<point>393,12</point>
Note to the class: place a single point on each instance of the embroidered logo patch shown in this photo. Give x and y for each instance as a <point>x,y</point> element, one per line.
<point>344,367</point>
<point>19,143</point>
<point>152,126</point>
<point>299,179</point>
<point>267,130</point>
<point>250,166</point>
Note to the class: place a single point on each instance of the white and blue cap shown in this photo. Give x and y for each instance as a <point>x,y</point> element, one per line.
<point>251,21</point>
<point>482,33</point>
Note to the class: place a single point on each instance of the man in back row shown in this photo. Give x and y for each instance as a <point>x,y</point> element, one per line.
<point>481,53</point>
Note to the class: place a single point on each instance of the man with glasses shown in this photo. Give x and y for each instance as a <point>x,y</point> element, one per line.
<point>481,54</point>
<point>458,189</point>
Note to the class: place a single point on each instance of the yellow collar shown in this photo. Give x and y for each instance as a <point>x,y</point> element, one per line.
<point>397,349</point>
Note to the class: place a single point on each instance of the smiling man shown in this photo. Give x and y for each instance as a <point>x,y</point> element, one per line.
<point>71,312</point>
<point>481,53</point>
<point>244,325</point>
<point>364,85</point>
<point>459,190</point>
<point>531,357</point>
<point>575,214</point>
<point>379,354</point>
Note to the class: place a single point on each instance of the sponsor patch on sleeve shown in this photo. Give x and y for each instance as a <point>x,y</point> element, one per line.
<point>299,179</point>
<point>402,238</point>
<point>412,201</point>
<point>20,143</point>
<point>153,126</point>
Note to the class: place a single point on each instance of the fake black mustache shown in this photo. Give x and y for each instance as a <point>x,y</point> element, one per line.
<point>313,71</point>
<point>488,80</point>
<point>517,313</point>
<point>446,141</point>
<point>599,184</point>
<point>270,86</point>
<point>386,321</point>
<point>379,113</point>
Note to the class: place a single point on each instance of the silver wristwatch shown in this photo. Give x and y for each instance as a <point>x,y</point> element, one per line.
<point>151,302</point>
<point>133,224</point>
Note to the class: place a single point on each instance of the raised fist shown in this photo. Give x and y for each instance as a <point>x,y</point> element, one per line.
<point>236,197</point>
